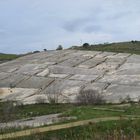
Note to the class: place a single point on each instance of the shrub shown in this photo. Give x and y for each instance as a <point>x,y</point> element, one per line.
<point>134,41</point>
<point>91,97</point>
<point>45,50</point>
<point>127,99</point>
<point>11,85</point>
<point>9,112</point>
<point>52,96</point>
<point>53,99</point>
<point>85,45</point>
<point>36,51</point>
<point>59,47</point>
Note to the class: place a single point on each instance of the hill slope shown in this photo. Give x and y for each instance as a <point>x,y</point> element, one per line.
<point>60,75</point>
<point>5,57</point>
<point>132,47</point>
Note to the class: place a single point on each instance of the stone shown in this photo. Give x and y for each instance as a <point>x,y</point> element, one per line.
<point>96,86</point>
<point>133,59</point>
<point>107,66</point>
<point>70,70</point>
<point>129,69</point>
<point>4,75</point>
<point>58,75</point>
<point>89,78</point>
<point>119,55</point>
<point>104,54</point>
<point>35,82</point>
<point>44,73</point>
<point>30,69</point>
<point>62,74</point>
<point>37,98</point>
<point>121,79</point>
<point>13,80</point>
<point>64,90</point>
<point>16,94</point>
<point>91,63</point>
<point>120,93</point>
<point>74,61</point>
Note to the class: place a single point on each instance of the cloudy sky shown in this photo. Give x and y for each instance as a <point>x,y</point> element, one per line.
<point>28,25</point>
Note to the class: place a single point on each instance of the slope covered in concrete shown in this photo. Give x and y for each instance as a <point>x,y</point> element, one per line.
<point>62,74</point>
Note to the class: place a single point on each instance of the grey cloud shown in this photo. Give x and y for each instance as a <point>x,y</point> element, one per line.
<point>92,28</point>
<point>95,21</point>
<point>27,24</point>
<point>75,25</point>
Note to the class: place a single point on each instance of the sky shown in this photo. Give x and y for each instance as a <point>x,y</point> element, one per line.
<point>29,25</point>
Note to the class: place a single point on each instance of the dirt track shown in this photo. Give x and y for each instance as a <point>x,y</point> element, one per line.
<point>56,127</point>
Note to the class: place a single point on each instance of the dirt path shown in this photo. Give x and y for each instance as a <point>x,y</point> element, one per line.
<point>108,109</point>
<point>56,127</point>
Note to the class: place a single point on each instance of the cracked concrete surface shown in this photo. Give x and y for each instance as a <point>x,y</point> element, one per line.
<point>61,75</point>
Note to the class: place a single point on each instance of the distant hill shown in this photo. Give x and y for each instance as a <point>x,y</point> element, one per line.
<point>132,47</point>
<point>7,57</point>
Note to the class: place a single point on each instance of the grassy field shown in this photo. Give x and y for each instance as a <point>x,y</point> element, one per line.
<point>132,47</point>
<point>9,112</point>
<point>100,130</point>
<point>110,130</point>
<point>4,57</point>
<point>80,111</point>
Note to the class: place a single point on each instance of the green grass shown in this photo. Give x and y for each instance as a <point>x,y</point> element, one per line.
<point>98,131</point>
<point>4,57</point>
<point>41,109</point>
<point>132,47</point>
<point>20,112</point>
<point>80,111</point>
<point>88,112</point>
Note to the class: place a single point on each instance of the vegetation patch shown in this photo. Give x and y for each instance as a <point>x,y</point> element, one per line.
<point>26,111</point>
<point>132,47</point>
<point>110,129</point>
<point>4,57</point>
<point>122,129</point>
<point>80,111</point>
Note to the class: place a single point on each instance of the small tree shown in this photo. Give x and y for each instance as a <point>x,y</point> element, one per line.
<point>9,112</point>
<point>90,97</point>
<point>45,50</point>
<point>36,52</point>
<point>134,41</point>
<point>85,45</point>
<point>59,47</point>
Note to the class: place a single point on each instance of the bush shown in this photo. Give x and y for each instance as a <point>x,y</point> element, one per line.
<point>90,97</point>
<point>53,99</point>
<point>60,47</point>
<point>85,45</point>
<point>127,99</point>
<point>45,50</point>
<point>11,85</point>
<point>9,112</point>
<point>36,52</point>
<point>134,41</point>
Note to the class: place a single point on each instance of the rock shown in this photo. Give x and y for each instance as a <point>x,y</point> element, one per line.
<point>62,74</point>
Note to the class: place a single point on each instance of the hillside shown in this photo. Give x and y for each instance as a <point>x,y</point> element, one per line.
<point>5,57</point>
<point>41,76</point>
<point>132,47</point>
<point>33,88</point>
